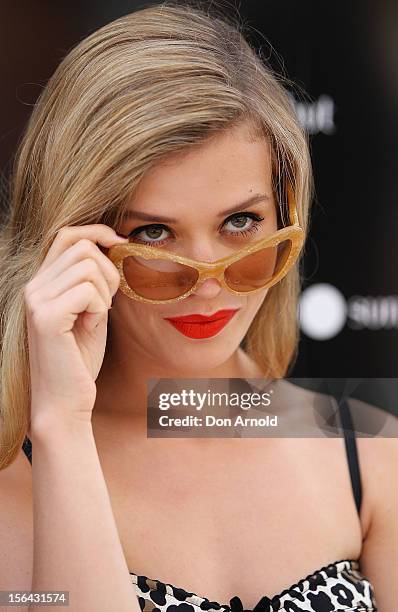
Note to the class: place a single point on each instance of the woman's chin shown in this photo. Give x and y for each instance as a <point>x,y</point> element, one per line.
<point>185,364</point>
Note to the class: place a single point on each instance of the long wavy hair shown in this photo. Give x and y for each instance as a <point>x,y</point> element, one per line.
<point>152,83</point>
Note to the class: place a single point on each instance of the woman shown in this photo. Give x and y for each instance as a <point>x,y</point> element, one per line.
<point>164,129</point>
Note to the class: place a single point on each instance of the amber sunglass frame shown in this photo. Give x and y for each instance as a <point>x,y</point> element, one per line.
<point>215,269</point>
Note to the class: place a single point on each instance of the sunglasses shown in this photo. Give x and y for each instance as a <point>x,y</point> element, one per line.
<point>153,275</point>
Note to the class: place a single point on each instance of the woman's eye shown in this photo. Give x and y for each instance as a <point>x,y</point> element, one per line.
<point>150,234</point>
<point>244,223</point>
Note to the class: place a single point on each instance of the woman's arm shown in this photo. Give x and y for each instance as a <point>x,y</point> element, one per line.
<point>76,542</point>
<point>379,557</point>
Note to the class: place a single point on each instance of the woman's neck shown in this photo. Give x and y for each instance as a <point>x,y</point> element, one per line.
<point>122,382</point>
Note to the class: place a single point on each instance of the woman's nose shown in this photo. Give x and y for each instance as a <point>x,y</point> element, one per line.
<point>204,251</point>
<point>209,289</point>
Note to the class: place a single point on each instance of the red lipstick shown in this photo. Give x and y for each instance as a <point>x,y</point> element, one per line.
<point>198,326</point>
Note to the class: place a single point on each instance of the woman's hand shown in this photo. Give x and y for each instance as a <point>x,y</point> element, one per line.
<point>67,303</point>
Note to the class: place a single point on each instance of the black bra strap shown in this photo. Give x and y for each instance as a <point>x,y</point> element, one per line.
<point>27,448</point>
<point>352,452</point>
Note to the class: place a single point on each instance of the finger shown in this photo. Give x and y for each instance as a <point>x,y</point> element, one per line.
<point>85,270</point>
<point>69,235</point>
<point>83,249</point>
<point>58,316</point>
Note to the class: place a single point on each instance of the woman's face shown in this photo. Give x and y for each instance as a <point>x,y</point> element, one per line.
<point>185,208</point>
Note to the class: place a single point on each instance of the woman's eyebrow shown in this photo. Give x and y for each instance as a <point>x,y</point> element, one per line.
<point>135,214</point>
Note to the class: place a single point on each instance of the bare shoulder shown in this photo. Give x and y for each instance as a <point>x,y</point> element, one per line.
<point>369,420</point>
<point>372,421</point>
<point>376,433</point>
<point>377,444</point>
<point>378,457</point>
<point>16,525</point>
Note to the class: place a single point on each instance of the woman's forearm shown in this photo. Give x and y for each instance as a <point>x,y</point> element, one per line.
<point>76,543</point>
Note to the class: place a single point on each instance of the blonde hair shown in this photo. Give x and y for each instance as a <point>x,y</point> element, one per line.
<point>149,84</point>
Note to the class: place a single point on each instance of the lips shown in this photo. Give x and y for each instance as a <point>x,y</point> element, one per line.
<point>200,326</point>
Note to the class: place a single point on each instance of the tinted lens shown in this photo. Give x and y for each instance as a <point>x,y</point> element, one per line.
<point>158,279</point>
<point>259,268</point>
